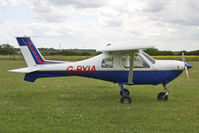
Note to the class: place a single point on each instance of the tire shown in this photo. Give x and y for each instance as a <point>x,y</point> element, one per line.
<point>125,100</point>
<point>126,92</point>
<point>161,96</point>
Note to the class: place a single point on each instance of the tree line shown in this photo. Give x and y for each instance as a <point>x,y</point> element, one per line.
<point>6,49</point>
<point>154,51</point>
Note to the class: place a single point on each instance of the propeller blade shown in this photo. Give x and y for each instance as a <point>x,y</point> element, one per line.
<point>186,70</point>
<point>185,67</point>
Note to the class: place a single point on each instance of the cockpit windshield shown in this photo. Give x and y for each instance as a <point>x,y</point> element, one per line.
<point>149,57</point>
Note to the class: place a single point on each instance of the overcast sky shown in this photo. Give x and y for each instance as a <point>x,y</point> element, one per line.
<point>167,24</point>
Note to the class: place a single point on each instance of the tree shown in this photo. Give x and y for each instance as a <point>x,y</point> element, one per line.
<point>6,49</point>
<point>152,51</point>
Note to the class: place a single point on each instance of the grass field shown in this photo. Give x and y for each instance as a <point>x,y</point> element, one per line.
<point>82,105</point>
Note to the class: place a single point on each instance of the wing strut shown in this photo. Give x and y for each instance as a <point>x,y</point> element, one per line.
<point>130,79</point>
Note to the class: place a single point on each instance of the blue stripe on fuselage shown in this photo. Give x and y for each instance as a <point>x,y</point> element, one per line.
<point>139,77</point>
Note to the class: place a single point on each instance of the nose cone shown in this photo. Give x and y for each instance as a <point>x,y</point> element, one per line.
<point>188,66</point>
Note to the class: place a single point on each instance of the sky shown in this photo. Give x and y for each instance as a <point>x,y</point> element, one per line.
<point>91,24</point>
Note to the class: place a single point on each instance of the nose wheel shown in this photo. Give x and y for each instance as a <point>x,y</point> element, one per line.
<point>126,99</point>
<point>163,96</point>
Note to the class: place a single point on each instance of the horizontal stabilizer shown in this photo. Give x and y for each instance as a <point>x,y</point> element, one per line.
<point>25,70</point>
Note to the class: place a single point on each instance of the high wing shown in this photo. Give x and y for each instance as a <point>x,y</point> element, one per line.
<point>127,49</point>
<point>123,48</point>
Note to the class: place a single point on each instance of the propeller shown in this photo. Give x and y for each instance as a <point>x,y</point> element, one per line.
<point>185,66</point>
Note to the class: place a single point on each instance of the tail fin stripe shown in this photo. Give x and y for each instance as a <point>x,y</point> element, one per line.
<point>38,59</point>
<point>34,52</point>
<point>28,43</point>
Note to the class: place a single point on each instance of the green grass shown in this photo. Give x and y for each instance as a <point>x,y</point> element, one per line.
<point>82,105</point>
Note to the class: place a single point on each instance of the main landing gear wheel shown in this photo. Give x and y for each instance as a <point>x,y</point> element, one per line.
<point>162,96</point>
<point>125,100</point>
<point>126,92</point>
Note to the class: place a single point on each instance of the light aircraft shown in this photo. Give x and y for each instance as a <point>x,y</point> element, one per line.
<point>125,65</point>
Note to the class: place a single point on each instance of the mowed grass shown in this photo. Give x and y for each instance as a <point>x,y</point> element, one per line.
<point>83,105</point>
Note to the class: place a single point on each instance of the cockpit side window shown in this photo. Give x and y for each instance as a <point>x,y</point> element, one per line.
<point>125,60</point>
<point>107,62</point>
<point>139,62</point>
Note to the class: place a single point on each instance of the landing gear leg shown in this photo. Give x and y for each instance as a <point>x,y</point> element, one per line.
<point>163,96</point>
<point>126,92</point>
<point>125,98</point>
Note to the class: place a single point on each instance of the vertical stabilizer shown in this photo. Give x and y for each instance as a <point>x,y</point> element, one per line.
<point>30,53</point>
